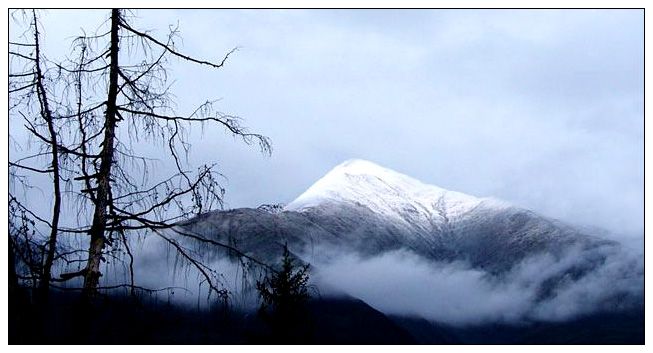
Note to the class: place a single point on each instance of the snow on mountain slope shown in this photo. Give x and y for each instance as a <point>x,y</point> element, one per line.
<point>394,196</point>
<point>383,190</point>
<point>369,209</point>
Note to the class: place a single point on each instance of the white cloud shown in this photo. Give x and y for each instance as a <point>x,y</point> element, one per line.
<point>454,293</point>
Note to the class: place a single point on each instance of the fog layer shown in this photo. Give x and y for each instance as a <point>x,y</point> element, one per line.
<point>539,288</point>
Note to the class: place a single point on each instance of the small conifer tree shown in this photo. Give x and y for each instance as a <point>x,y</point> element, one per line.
<point>284,295</point>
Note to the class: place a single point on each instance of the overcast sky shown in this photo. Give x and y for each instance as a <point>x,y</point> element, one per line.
<point>541,108</point>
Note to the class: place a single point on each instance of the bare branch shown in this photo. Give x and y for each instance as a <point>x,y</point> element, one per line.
<point>21,55</point>
<point>14,90</point>
<point>12,164</point>
<point>176,53</point>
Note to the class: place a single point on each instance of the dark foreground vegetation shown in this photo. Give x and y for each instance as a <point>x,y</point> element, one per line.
<point>119,319</point>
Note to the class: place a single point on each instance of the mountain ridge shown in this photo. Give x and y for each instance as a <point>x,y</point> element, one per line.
<point>372,209</point>
<point>365,216</point>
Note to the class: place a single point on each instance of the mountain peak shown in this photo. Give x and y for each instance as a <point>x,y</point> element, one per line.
<point>361,182</point>
<point>362,167</point>
<point>348,180</point>
<point>357,168</point>
<point>356,164</point>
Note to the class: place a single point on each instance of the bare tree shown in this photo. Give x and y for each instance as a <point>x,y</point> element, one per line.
<point>111,97</point>
<point>28,84</point>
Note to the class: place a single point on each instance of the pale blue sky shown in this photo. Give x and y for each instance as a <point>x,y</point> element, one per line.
<point>542,108</point>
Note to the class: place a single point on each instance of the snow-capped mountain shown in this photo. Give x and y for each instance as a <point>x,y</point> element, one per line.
<point>369,209</point>
<point>386,192</point>
<point>374,234</point>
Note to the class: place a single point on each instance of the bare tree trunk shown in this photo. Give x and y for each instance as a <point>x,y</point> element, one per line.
<point>44,284</point>
<point>98,227</point>
<point>13,275</point>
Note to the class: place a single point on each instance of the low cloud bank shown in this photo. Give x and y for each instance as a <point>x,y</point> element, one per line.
<point>541,287</point>
<point>544,287</point>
